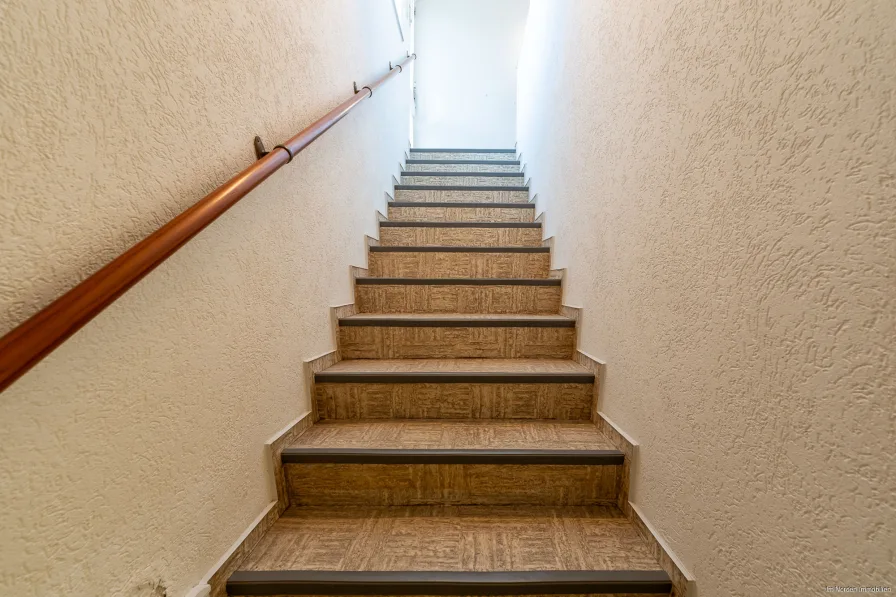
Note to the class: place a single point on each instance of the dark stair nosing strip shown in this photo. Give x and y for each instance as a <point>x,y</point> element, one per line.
<point>489,162</point>
<point>451,377</point>
<point>455,249</point>
<point>403,224</point>
<point>450,456</point>
<point>454,322</point>
<point>355,582</point>
<point>462,150</point>
<point>483,174</point>
<point>470,188</point>
<point>474,204</point>
<point>459,281</point>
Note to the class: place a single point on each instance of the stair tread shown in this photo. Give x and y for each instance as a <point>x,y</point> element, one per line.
<point>452,539</point>
<point>468,188</point>
<point>371,280</point>
<point>478,162</point>
<point>448,434</point>
<point>458,249</point>
<point>447,224</point>
<point>463,150</point>
<point>457,320</point>
<point>543,366</point>
<point>459,316</point>
<point>462,173</point>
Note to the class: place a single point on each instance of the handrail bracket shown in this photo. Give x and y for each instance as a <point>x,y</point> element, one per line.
<point>260,151</point>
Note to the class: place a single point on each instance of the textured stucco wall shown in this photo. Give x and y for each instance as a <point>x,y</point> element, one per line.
<point>466,72</point>
<point>134,453</point>
<point>719,178</point>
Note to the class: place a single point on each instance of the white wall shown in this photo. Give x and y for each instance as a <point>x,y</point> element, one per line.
<point>134,453</point>
<point>466,72</point>
<point>719,179</point>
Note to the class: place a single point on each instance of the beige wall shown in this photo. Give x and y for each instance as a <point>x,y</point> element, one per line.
<point>134,454</point>
<point>466,72</point>
<point>719,177</point>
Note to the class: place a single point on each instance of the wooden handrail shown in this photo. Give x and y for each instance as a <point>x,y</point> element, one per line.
<point>25,346</point>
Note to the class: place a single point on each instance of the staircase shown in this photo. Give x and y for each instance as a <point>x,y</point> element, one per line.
<point>455,452</point>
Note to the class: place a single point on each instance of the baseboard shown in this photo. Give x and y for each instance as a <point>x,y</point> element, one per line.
<point>684,583</point>
<point>336,313</point>
<point>216,578</point>
<point>572,312</point>
<point>583,358</point>
<point>283,438</point>
<point>213,583</point>
<point>318,364</point>
<point>627,446</point>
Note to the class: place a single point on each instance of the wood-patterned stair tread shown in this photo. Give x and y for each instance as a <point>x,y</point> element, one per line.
<point>544,367</point>
<point>462,174</point>
<point>462,204</point>
<point>441,434</point>
<point>452,539</point>
<point>458,150</point>
<point>421,224</point>
<point>450,161</point>
<point>369,280</point>
<point>457,320</point>
<point>454,249</point>
<point>470,188</point>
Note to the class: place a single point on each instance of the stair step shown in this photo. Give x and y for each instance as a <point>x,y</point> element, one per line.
<point>462,179</point>
<point>456,249</point>
<point>457,371</point>
<point>460,212</point>
<point>368,281</point>
<point>512,166</point>
<point>454,175</point>
<point>463,335</point>
<point>451,550</point>
<point>458,295</point>
<point>456,150</point>
<point>410,193</point>
<point>509,225</point>
<point>463,154</point>
<point>472,320</point>
<point>517,440</point>
<point>402,463</point>
<point>513,162</point>
<point>433,388</point>
<point>481,234</point>
<point>459,262</point>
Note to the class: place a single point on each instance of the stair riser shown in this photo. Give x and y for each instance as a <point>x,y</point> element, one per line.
<point>384,342</point>
<point>467,181</point>
<point>462,168</point>
<point>459,265</point>
<point>458,299</point>
<point>561,401</point>
<point>460,237</point>
<point>465,196</point>
<point>451,484</point>
<point>451,155</point>
<point>460,214</point>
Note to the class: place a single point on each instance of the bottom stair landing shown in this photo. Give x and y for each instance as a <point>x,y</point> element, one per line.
<point>451,550</point>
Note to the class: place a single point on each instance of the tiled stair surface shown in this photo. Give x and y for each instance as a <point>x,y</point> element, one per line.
<point>455,452</point>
